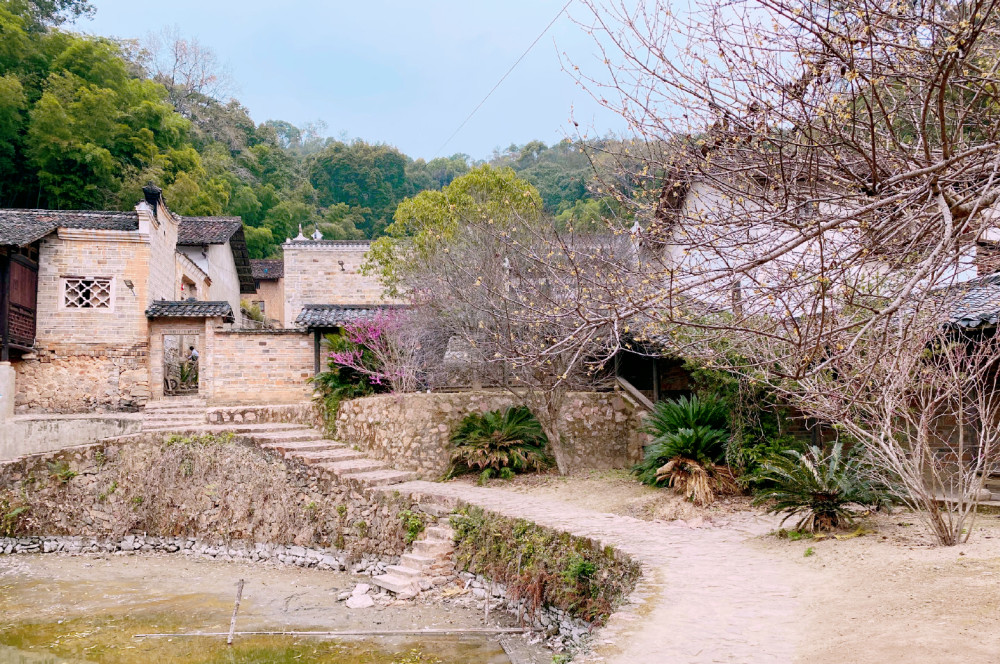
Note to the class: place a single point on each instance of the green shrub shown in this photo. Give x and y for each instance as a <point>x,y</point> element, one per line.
<point>686,413</point>
<point>512,439</point>
<point>413,524</point>
<point>819,487</point>
<point>339,383</point>
<point>689,441</point>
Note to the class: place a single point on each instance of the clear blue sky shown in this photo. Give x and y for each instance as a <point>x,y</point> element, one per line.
<point>401,72</point>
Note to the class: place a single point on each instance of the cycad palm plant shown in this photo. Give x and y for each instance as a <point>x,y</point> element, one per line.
<point>819,486</point>
<point>689,440</point>
<point>511,439</point>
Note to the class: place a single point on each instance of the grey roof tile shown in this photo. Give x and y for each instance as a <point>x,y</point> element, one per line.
<point>22,227</point>
<point>976,303</point>
<point>207,230</point>
<point>267,269</point>
<point>337,315</point>
<point>189,309</point>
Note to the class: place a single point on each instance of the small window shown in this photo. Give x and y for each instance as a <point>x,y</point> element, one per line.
<point>260,305</point>
<point>80,293</point>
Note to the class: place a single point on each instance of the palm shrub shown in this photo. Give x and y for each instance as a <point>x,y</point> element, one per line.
<point>504,441</point>
<point>820,486</point>
<point>689,441</point>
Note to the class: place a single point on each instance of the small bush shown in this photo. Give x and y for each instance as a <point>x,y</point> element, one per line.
<point>819,487</point>
<point>496,441</point>
<point>689,441</point>
<point>12,517</point>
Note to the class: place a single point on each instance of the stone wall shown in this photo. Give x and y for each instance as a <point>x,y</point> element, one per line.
<point>62,379</point>
<point>294,413</point>
<point>411,431</point>
<point>261,366</point>
<point>221,489</point>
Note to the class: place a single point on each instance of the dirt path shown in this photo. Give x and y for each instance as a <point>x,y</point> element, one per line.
<point>727,591</point>
<point>708,595</point>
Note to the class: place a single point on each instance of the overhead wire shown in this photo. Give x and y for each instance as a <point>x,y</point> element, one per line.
<point>503,78</point>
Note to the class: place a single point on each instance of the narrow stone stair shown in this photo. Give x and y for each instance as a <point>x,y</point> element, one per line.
<point>189,417</point>
<point>174,412</point>
<point>430,559</point>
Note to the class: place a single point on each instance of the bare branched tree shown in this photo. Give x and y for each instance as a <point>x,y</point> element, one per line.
<point>808,175</point>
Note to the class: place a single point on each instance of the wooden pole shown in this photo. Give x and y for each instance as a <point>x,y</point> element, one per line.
<point>363,632</point>
<point>236,609</point>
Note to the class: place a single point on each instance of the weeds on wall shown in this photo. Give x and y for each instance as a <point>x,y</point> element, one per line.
<point>499,443</point>
<point>413,524</point>
<point>543,567</point>
<point>13,516</point>
<point>198,486</point>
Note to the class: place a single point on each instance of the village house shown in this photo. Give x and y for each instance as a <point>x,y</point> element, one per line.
<point>323,287</point>
<point>99,310</point>
<point>83,292</point>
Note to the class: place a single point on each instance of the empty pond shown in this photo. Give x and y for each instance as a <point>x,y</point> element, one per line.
<point>88,609</point>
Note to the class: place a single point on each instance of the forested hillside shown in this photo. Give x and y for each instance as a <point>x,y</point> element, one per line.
<point>85,122</point>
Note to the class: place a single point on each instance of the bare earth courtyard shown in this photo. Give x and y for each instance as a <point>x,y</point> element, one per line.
<point>886,596</point>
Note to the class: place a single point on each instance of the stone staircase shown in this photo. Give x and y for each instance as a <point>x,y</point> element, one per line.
<point>428,564</point>
<point>188,416</point>
<point>174,413</point>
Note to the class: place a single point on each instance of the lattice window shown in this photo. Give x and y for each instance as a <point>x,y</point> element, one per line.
<point>87,293</point>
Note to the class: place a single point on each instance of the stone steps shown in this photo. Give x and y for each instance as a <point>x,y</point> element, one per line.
<point>300,434</point>
<point>174,404</point>
<point>303,446</point>
<point>229,428</point>
<point>386,477</point>
<point>325,456</point>
<point>353,467</point>
<point>431,556</point>
<point>402,587</point>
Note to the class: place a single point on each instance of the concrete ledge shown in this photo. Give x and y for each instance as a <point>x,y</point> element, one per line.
<point>23,435</point>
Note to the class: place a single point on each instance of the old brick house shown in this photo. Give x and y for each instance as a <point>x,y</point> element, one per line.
<point>269,287</point>
<point>325,287</point>
<point>79,289</point>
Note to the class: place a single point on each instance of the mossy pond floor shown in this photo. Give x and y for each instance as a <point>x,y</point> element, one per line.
<point>72,609</point>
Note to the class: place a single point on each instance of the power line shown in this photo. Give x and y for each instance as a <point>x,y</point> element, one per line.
<point>503,78</point>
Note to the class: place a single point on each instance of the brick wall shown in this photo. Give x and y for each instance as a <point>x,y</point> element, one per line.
<point>313,275</point>
<point>272,293</point>
<point>89,359</point>
<point>162,244</point>
<point>257,367</point>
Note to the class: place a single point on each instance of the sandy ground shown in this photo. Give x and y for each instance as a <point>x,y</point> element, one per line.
<point>888,595</point>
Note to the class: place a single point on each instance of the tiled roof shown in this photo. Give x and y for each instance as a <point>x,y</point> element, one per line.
<point>207,230</point>
<point>22,227</point>
<point>219,230</point>
<point>267,269</point>
<point>977,304</point>
<point>336,315</point>
<point>189,309</point>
